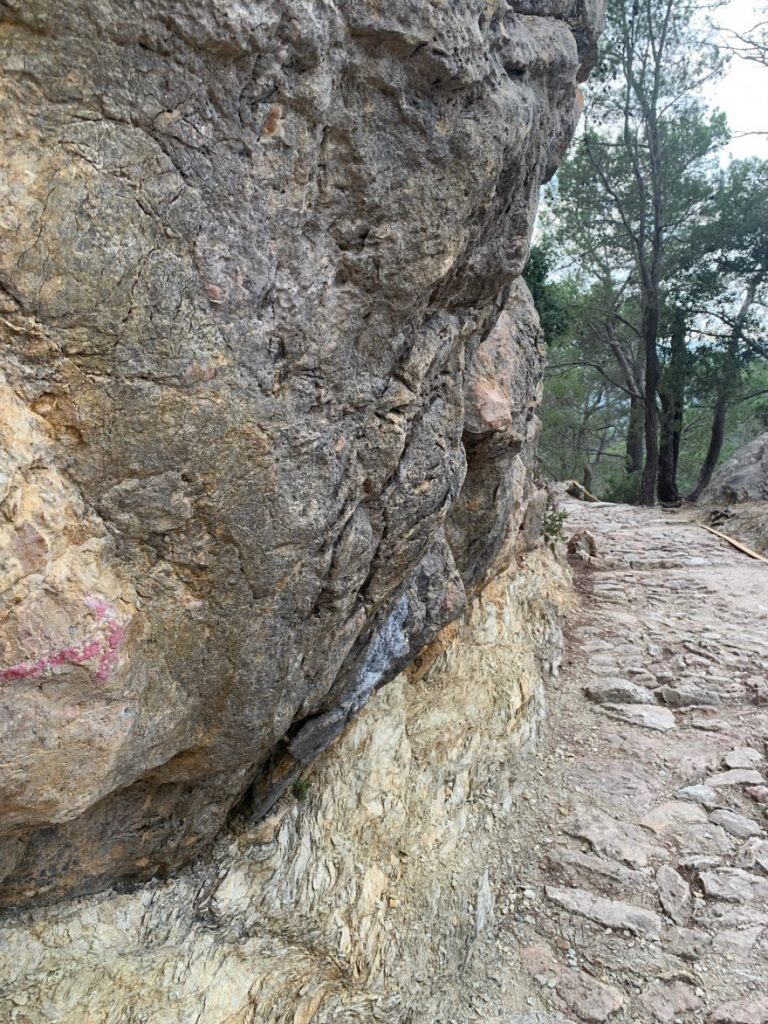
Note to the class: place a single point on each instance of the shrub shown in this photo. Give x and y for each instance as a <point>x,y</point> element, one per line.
<point>621,487</point>
<point>301,788</point>
<point>553,521</point>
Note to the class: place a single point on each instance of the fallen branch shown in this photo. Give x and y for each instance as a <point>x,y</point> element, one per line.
<point>577,490</point>
<point>735,543</point>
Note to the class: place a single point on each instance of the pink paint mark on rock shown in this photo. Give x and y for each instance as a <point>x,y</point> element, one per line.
<point>105,647</point>
<point>115,634</point>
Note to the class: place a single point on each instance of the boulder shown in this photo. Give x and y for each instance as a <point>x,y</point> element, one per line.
<point>743,477</point>
<point>267,406</point>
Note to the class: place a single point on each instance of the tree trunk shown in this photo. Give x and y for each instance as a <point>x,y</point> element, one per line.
<point>726,382</point>
<point>716,437</point>
<point>647,494</point>
<point>672,394</point>
<point>635,447</point>
<point>668,449</point>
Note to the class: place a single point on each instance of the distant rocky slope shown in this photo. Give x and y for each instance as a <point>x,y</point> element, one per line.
<point>269,380</point>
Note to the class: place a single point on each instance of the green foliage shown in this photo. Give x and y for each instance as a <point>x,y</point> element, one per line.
<point>643,215</point>
<point>552,298</point>
<point>620,486</point>
<point>747,418</point>
<point>553,522</point>
<point>301,789</point>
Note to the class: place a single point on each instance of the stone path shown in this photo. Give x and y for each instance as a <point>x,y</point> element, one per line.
<point>640,865</point>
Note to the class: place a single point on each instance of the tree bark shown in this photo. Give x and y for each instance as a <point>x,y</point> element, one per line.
<point>635,446</point>
<point>716,438</point>
<point>647,494</point>
<point>726,382</point>
<point>672,394</point>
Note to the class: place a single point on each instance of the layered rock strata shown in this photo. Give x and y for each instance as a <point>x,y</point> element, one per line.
<point>268,387</point>
<point>371,893</point>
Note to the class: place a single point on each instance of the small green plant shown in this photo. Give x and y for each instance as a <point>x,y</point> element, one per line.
<point>553,521</point>
<point>301,788</point>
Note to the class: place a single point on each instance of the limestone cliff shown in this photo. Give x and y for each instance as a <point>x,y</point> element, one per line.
<point>268,387</point>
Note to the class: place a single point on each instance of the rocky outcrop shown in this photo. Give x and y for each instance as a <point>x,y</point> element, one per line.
<point>373,892</point>
<point>743,477</point>
<point>262,435</point>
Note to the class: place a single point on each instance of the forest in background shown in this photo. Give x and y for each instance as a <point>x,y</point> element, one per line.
<point>650,268</point>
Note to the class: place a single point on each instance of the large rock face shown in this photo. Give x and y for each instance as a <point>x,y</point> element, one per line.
<point>743,477</point>
<point>259,439</point>
<point>378,897</point>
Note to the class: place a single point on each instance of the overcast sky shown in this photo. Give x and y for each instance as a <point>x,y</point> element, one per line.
<point>743,93</point>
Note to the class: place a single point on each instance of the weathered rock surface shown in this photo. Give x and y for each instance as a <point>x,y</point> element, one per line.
<point>358,903</point>
<point>703,795</point>
<point>674,894</point>
<point>736,777</point>
<point>743,757</point>
<point>609,913</point>
<point>618,691</point>
<point>687,696</point>
<point>736,824</point>
<point>260,435</point>
<point>742,1011</point>
<point>660,719</point>
<point>743,477</point>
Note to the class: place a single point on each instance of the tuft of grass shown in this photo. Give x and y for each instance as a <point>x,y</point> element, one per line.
<point>301,788</point>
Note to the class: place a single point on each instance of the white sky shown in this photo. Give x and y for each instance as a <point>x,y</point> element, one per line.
<point>743,93</point>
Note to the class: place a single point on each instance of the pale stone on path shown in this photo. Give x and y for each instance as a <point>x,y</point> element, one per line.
<point>732,884</point>
<point>618,691</point>
<point>687,695</point>
<point>688,943</point>
<point>706,840</point>
<point>538,958</point>
<point>658,718</point>
<point>736,824</point>
<point>535,1017</point>
<point>703,795</point>
<point>674,894</point>
<point>719,916</point>
<point>743,757</point>
<point>673,814</point>
<point>736,777</point>
<point>737,940</point>
<point>742,1011</point>
<point>609,913</point>
<point>593,865</point>
<point>754,855</point>
<point>666,1000</point>
<point>619,840</point>
<point>589,998</point>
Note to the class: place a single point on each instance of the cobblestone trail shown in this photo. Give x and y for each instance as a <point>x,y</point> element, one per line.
<point>640,864</point>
